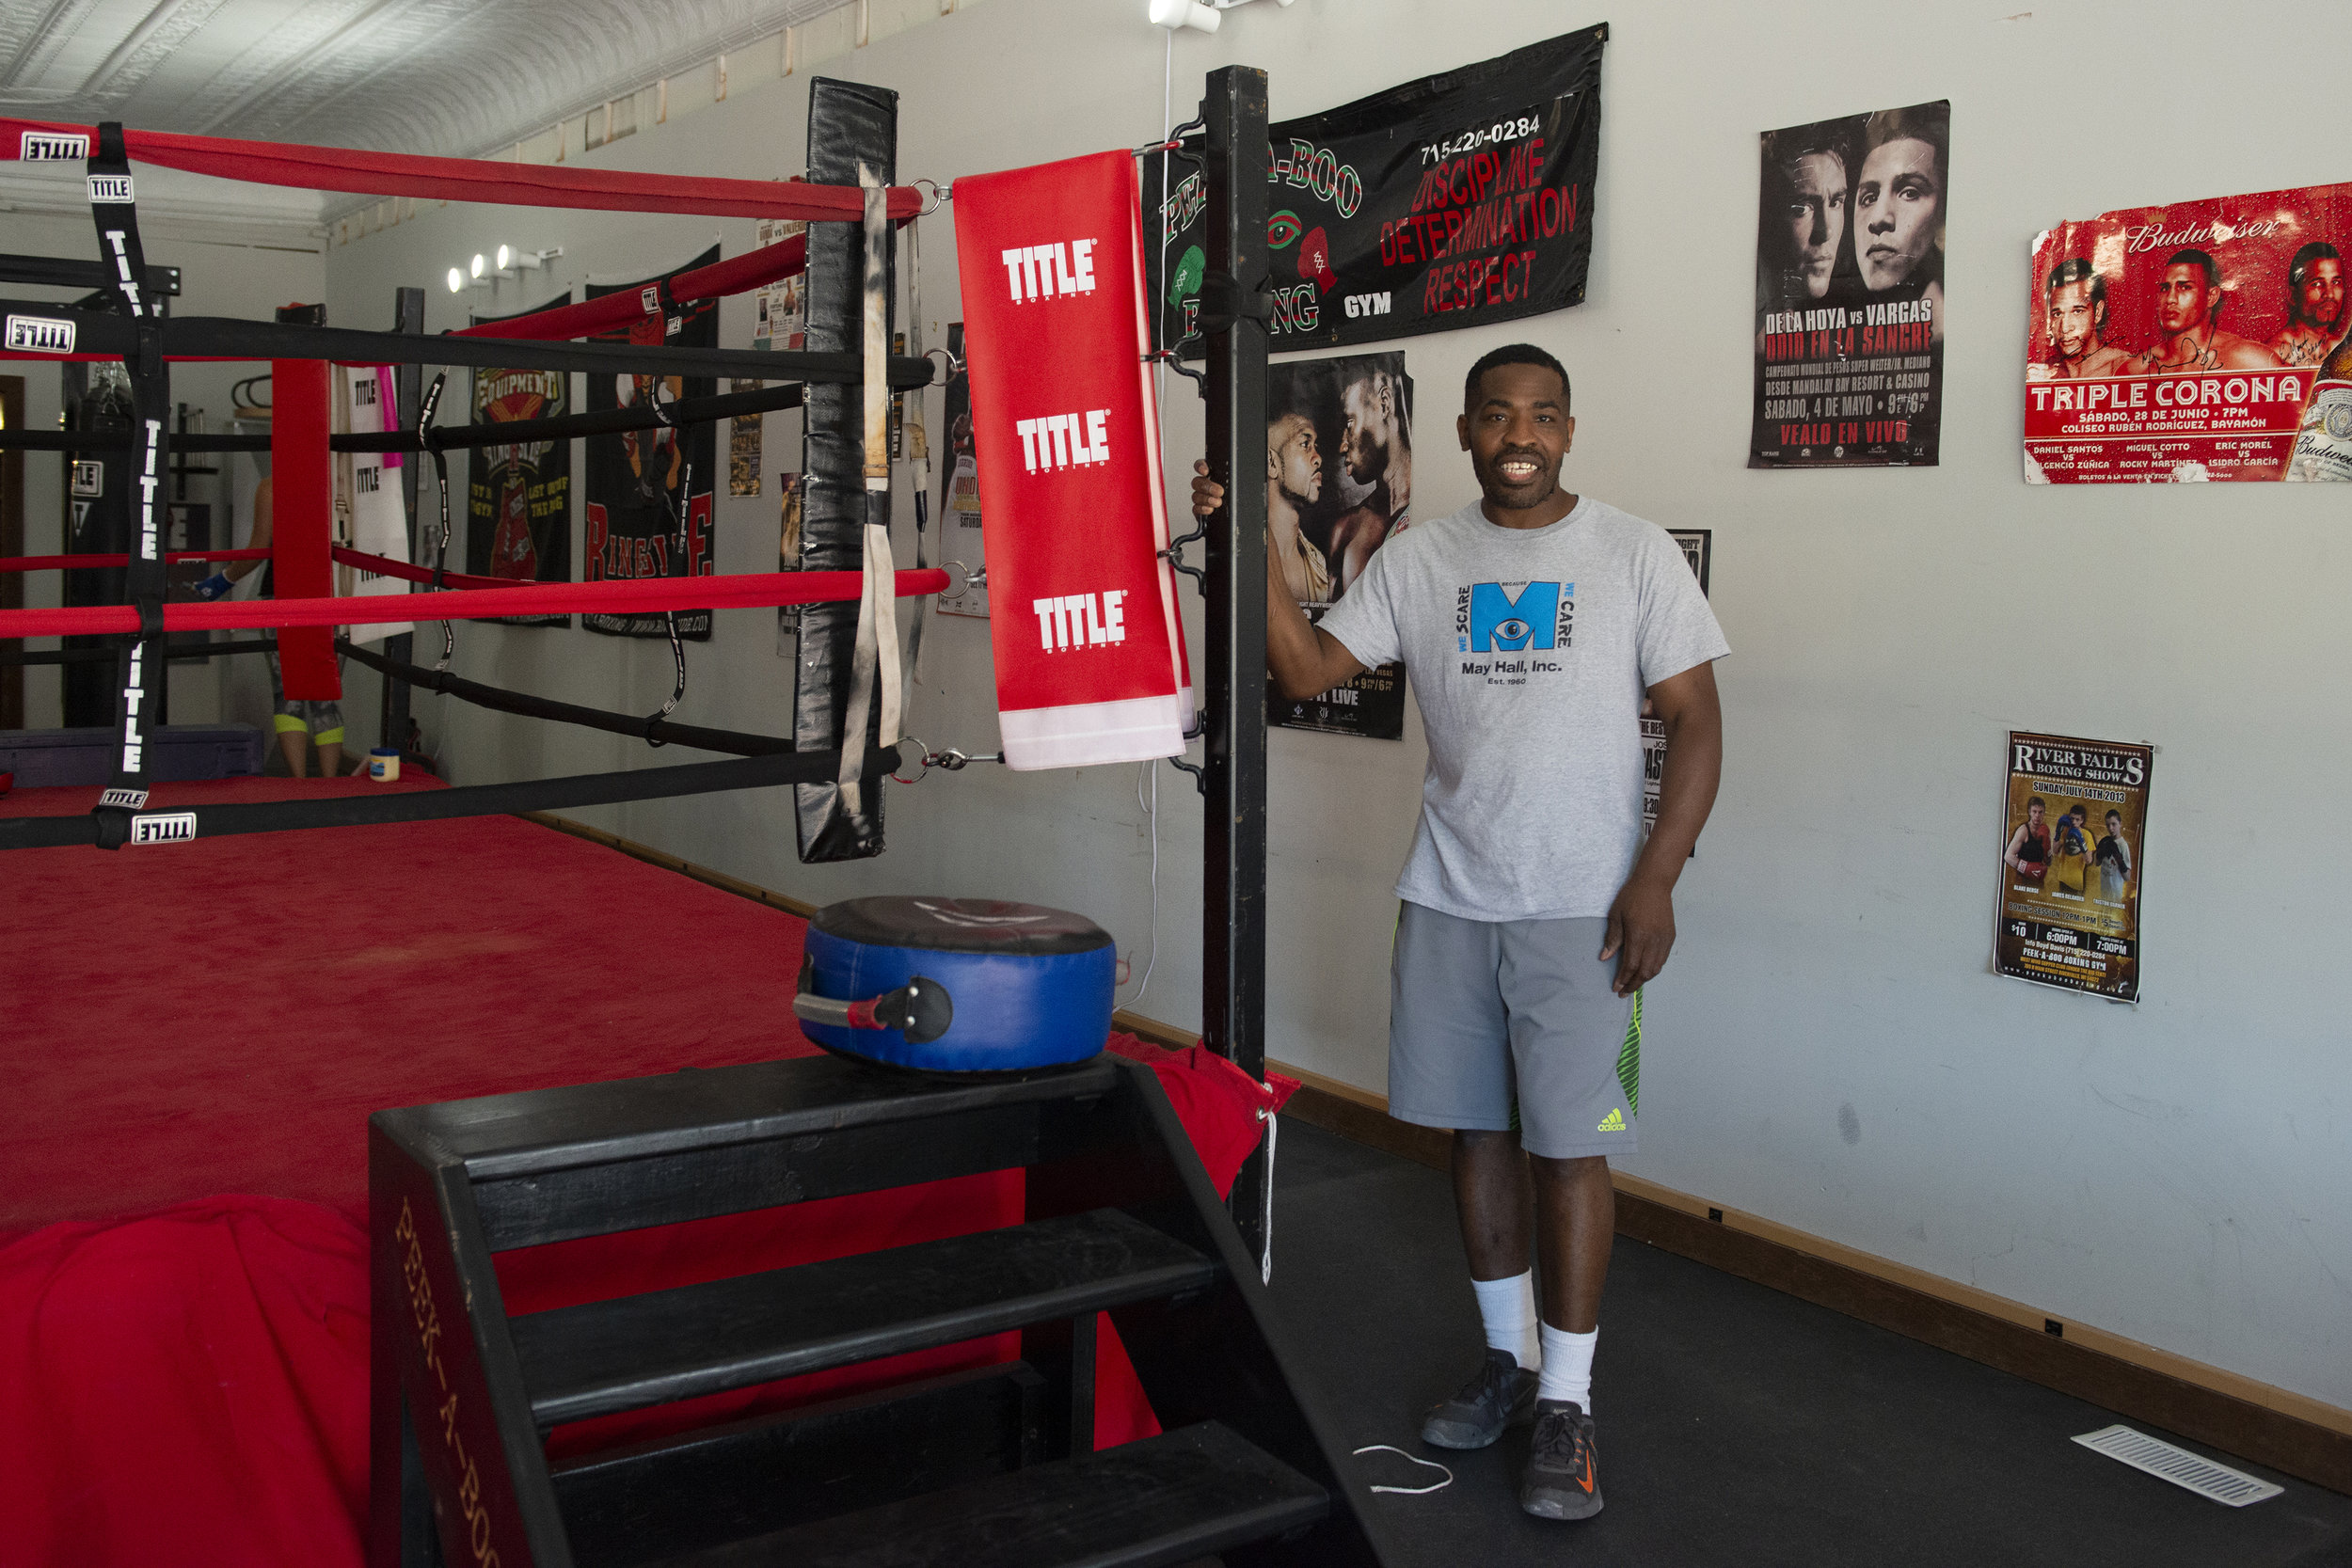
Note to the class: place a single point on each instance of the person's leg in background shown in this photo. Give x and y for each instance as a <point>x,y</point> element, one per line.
<point>293,740</point>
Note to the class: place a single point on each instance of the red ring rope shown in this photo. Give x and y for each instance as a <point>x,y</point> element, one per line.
<point>78,563</point>
<point>736,590</point>
<point>340,168</point>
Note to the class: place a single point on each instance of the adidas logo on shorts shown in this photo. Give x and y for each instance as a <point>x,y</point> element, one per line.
<point>1612,1122</point>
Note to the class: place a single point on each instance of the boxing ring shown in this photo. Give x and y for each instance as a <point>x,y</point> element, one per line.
<point>184,1229</point>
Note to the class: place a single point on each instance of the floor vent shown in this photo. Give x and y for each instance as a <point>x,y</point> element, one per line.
<point>2179,1466</point>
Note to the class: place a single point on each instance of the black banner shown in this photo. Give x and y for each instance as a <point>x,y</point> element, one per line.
<point>649,491</point>
<point>1459,199</point>
<point>518,499</point>
<point>1849,291</point>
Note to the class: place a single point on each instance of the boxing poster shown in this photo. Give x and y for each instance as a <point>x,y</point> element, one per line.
<point>1849,291</point>
<point>789,498</point>
<point>518,499</point>
<point>1698,548</point>
<point>1339,482</point>
<point>744,432</point>
<point>649,491</point>
<point>371,517</point>
<point>2075,815</point>
<point>1457,201</point>
<point>961,538</point>
<point>2196,341</point>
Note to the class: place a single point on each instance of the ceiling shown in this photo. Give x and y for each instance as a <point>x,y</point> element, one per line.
<point>456,77</point>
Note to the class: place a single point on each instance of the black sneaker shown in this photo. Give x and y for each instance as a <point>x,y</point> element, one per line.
<point>1559,1482</point>
<point>1497,1395</point>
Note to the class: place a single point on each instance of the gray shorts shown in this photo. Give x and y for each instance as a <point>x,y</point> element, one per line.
<point>1511,1024</point>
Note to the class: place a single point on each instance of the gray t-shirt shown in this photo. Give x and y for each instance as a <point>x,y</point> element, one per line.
<point>1529,651</point>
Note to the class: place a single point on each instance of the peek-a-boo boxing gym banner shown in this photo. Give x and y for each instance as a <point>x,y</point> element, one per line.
<point>649,490</point>
<point>1849,291</point>
<point>1460,199</point>
<point>1090,655</point>
<point>2074,844</point>
<point>1339,439</point>
<point>2198,341</point>
<point>518,498</point>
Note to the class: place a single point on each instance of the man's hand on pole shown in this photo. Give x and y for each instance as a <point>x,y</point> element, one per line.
<point>1304,660</point>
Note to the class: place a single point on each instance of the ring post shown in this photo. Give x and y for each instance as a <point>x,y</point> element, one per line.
<point>1232,949</point>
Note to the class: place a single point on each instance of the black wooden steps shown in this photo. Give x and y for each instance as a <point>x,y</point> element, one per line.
<point>623,1355</point>
<point>1151,1504</point>
<point>625,1507</point>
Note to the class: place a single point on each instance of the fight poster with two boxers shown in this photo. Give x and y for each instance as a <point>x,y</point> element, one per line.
<point>518,495</point>
<point>649,491</point>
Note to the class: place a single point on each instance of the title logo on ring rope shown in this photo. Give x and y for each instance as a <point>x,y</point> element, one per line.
<point>53,147</point>
<point>110,187</point>
<point>1035,272</point>
<point>40,335</point>
<point>163,827</point>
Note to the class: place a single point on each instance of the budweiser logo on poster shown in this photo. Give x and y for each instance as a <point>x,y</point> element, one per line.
<point>2201,340</point>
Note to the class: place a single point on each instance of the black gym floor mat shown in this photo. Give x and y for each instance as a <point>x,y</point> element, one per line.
<point>1738,1426</point>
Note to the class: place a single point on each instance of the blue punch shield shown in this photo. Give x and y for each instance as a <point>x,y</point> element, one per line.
<point>1028,987</point>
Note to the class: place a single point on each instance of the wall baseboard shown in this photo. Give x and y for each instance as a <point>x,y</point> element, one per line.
<point>2301,1437</point>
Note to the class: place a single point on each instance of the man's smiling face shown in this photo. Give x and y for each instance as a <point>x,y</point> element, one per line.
<point>1517,429</point>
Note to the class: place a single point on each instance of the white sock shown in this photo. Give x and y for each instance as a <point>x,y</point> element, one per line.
<point>1507,1307</point>
<point>1568,1371</point>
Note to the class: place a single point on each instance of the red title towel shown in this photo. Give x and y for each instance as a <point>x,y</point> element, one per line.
<point>1090,662</point>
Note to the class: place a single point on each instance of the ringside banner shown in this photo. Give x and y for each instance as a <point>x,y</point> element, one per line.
<point>2199,341</point>
<point>1090,655</point>
<point>1456,200</point>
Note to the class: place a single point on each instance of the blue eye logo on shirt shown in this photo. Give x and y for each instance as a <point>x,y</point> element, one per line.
<point>1512,617</point>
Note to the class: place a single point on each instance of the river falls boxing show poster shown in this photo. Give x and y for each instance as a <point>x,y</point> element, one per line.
<point>1849,291</point>
<point>2075,821</point>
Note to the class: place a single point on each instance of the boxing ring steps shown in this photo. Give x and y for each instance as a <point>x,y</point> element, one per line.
<point>991,1466</point>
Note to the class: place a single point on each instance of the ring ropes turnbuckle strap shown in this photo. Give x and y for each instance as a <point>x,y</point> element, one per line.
<point>114,213</point>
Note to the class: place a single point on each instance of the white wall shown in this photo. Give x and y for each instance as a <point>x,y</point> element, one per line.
<point>2175,1172</point>
<point>243,270</point>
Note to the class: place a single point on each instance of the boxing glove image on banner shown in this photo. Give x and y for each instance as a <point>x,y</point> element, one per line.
<point>1090,663</point>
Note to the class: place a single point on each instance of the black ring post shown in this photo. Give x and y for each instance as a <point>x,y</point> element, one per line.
<point>408,387</point>
<point>1233,947</point>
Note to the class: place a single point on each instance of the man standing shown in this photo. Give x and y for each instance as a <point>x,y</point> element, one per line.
<point>2077,321</point>
<point>2315,314</point>
<point>1533,621</point>
<point>2188,300</point>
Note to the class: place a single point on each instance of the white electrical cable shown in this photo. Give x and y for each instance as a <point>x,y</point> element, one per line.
<point>1426,1464</point>
<point>1150,771</point>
